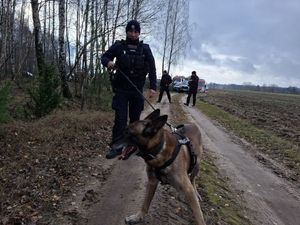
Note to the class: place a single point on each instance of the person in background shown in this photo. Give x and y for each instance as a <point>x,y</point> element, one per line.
<point>193,88</point>
<point>165,81</point>
<point>134,60</point>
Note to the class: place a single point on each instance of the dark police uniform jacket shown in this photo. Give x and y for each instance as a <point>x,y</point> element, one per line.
<point>193,84</point>
<point>133,59</point>
<point>165,81</point>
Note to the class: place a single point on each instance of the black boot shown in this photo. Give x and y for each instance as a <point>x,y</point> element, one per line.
<point>113,152</point>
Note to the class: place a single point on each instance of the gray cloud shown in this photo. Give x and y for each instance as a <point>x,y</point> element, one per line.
<point>201,55</point>
<point>241,65</point>
<point>261,36</point>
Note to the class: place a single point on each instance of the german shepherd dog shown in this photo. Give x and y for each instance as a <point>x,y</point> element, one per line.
<point>147,137</point>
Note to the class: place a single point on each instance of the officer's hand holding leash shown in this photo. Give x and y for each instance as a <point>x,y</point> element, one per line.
<point>151,93</point>
<point>111,65</point>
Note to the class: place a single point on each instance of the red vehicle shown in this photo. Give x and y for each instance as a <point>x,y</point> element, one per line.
<point>201,85</point>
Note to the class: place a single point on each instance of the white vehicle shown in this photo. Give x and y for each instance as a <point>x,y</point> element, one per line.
<point>181,85</point>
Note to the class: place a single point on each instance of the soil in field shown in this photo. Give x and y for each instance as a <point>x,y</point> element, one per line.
<point>278,113</point>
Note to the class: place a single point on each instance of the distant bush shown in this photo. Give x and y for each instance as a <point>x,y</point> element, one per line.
<point>45,95</point>
<point>5,99</point>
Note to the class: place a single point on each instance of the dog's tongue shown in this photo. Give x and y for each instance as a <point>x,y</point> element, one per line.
<point>127,152</point>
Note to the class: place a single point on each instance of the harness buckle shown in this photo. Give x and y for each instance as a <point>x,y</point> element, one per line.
<point>173,129</point>
<point>184,141</point>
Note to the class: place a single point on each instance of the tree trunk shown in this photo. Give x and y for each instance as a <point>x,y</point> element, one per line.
<point>116,21</point>
<point>92,22</point>
<point>173,35</point>
<point>37,33</point>
<point>68,40</point>
<point>54,53</point>
<point>84,56</point>
<point>76,77</point>
<point>62,50</point>
<point>166,37</point>
<point>11,45</point>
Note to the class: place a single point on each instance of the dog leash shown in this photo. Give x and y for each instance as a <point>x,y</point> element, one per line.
<point>173,129</point>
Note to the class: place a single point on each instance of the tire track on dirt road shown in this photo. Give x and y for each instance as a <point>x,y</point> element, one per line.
<point>270,199</point>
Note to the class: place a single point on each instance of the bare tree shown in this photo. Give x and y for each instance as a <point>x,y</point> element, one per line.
<point>117,15</point>
<point>166,36</point>
<point>37,35</point>
<point>97,25</point>
<point>92,45</point>
<point>11,45</point>
<point>173,33</point>
<point>62,50</point>
<point>176,34</point>
<point>54,55</point>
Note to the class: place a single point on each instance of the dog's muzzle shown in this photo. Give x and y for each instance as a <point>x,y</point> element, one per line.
<point>127,152</point>
<point>125,143</point>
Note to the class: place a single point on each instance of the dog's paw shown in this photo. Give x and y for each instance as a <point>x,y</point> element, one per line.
<point>134,219</point>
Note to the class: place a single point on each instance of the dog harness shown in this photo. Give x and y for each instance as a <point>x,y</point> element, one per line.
<point>181,140</point>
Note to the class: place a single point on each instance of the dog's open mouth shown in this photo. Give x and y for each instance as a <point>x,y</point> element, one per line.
<point>127,152</point>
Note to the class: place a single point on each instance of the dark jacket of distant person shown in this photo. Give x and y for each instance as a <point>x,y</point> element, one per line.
<point>193,83</point>
<point>166,80</point>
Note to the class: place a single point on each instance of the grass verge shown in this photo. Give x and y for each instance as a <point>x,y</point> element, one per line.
<point>281,150</point>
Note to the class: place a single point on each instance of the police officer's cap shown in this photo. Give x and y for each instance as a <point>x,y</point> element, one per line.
<point>133,25</point>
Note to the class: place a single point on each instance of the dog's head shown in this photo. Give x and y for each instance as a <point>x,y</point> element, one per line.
<point>139,134</point>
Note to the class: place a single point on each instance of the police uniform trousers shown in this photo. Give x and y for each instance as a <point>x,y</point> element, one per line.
<point>190,93</point>
<point>126,103</point>
<point>161,92</point>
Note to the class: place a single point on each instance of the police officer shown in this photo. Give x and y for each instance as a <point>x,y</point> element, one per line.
<point>165,81</point>
<point>134,60</point>
<point>193,88</point>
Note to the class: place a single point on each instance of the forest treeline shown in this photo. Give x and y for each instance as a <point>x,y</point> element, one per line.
<point>66,38</point>
<point>251,87</point>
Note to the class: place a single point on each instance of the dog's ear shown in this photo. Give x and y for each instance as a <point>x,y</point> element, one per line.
<point>153,126</point>
<point>153,115</point>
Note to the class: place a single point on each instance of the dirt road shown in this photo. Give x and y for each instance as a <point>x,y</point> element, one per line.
<point>123,193</point>
<point>269,198</point>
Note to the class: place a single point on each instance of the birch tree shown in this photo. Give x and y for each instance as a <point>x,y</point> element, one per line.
<point>176,32</point>
<point>62,50</point>
<point>40,58</point>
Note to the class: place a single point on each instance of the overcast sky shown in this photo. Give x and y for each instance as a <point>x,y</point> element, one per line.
<point>237,41</point>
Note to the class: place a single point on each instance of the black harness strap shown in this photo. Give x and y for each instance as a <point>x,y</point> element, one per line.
<point>189,145</point>
<point>181,140</point>
<point>158,170</point>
